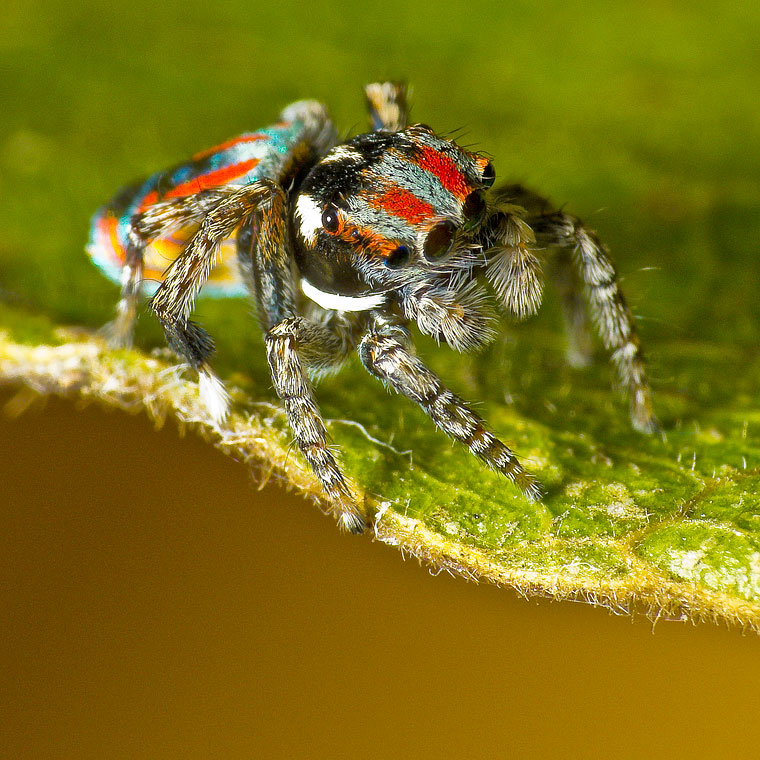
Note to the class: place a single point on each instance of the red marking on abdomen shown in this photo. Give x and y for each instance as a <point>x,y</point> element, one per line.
<point>147,201</point>
<point>228,144</point>
<point>212,179</point>
<point>403,203</point>
<point>446,170</point>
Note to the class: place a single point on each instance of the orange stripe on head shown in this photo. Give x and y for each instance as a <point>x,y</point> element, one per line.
<point>228,144</point>
<point>445,169</point>
<point>365,239</point>
<point>212,179</point>
<point>400,202</point>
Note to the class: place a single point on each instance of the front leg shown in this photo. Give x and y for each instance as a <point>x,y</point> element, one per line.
<point>155,222</point>
<point>173,301</point>
<point>293,345</point>
<point>386,353</point>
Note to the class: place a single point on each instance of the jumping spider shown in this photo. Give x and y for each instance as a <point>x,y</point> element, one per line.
<point>341,246</point>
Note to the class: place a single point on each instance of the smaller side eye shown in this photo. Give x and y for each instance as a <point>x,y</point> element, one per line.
<point>423,127</point>
<point>488,175</point>
<point>439,241</point>
<point>474,208</point>
<point>331,219</point>
<point>398,257</point>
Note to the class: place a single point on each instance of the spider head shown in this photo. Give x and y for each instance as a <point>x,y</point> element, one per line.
<point>384,210</point>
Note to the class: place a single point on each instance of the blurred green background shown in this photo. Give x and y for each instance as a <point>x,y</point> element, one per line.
<point>642,117</point>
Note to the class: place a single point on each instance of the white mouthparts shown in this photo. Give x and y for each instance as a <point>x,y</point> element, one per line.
<point>341,303</point>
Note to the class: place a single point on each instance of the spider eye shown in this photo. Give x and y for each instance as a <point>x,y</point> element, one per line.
<point>488,175</point>
<point>439,241</point>
<point>398,257</point>
<point>330,219</point>
<point>474,208</point>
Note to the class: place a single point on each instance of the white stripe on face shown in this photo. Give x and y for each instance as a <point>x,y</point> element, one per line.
<point>309,217</point>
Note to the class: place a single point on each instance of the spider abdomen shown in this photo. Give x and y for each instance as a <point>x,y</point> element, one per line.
<point>273,152</point>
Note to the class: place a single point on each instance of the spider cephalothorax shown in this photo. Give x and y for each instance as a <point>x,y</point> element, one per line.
<point>389,227</point>
<point>386,209</point>
<point>399,218</point>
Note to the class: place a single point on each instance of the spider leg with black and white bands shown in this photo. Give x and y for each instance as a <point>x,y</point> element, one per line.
<point>173,301</point>
<point>155,222</point>
<point>292,346</point>
<point>609,311</point>
<point>270,281</point>
<point>296,346</point>
<point>385,351</point>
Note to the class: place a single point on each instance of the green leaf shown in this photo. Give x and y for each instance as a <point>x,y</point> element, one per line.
<point>661,129</point>
<point>672,525</point>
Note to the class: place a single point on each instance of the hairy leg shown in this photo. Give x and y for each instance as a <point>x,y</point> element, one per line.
<point>609,311</point>
<point>155,222</point>
<point>173,301</point>
<point>119,332</point>
<point>293,346</point>
<point>297,347</point>
<point>386,353</point>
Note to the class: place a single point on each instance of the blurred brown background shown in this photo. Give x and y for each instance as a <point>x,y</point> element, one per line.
<point>156,605</point>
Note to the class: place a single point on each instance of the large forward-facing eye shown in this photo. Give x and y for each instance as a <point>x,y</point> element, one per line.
<point>331,218</point>
<point>439,241</point>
